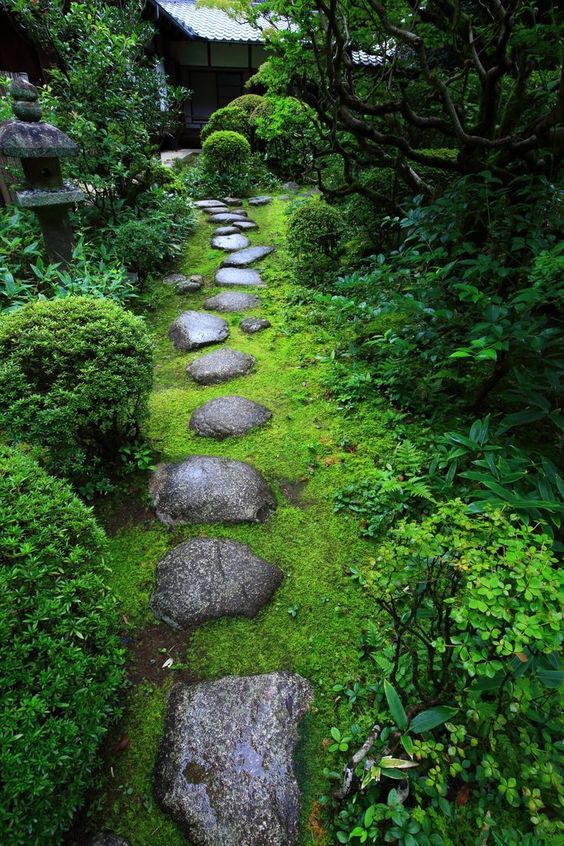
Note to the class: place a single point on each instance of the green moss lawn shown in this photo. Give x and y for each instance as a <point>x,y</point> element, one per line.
<point>308,452</point>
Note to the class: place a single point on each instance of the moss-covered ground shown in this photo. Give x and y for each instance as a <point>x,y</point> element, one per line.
<point>308,452</point>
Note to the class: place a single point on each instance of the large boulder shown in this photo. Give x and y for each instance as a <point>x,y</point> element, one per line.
<point>194,329</point>
<point>224,417</point>
<point>225,765</point>
<point>207,578</point>
<point>207,489</point>
<point>220,366</point>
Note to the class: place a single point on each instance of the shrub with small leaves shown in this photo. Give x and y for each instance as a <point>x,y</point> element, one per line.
<point>74,379</point>
<point>314,239</point>
<point>60,660</point>
<point>226,151</point>
<point>231,118</point>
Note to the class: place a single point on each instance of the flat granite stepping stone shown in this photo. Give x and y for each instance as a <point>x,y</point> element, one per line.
<point>250,325</point>
<point>230,243</point>
<point>207,489</point>
<point>194,329</point>
<point>208,578</point>
<point>225,769</point>
<point>245,224</point>
<point>232,201</point>
<point>226,217</point>
<point>232,301</point>
<point>208,204</point>
<point>227,276</point>
<point>220,366</point>
<point>226,417</point>
<point>260,201</point>
<point>242,212</point>
<point>218,210</point>
<point>226,230</point>
<point>242,258</point>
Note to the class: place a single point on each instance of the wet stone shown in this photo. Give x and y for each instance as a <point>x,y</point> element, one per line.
<point>208,489</point>
<point>260,201</point>
<point>220,366</point>
<point>225,768</point>
<point>227,276</point>
<point>226,230</point>
<point>230,243</point>
<point>250,325</point>
<point>226,417</point>
<point>207,578</point>
<point>232,301</point>
<point>242,258</point>
<point>226,217</point>
<point>195,329</point>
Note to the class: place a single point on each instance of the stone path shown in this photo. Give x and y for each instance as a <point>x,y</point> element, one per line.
<point>225,769</point>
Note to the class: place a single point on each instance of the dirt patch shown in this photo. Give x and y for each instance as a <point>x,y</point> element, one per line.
<point>152,647</point>
<point>128,510</point>
<point>294,492</point>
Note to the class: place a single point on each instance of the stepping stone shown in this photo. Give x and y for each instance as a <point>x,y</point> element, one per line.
<point>220,366</point>
<point>242,212</point>
<point>227,276</point>
<point>218,210</point>
<point>260,201</point>
<point>108,838</point>
<point>207,489</point>
<point>232,201</point>
<point>226,217</point>
<point>208,204</point>
<point>250,325</point>
<point>226,230</point>
<point>226,417</point>
<point>195,329</point>
<point>232,301</point>
<point>230,242</point>
<point>225,769</point>
<point>207,578</point>
<point>245,224</point>
<point>248,256</point>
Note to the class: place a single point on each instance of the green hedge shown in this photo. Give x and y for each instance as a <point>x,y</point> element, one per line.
<point>75,374</point>
<point>60,661</point>
<point>230,118</point>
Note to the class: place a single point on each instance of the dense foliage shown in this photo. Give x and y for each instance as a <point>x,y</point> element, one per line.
<point>74,378</point>
<point>231,118</point>
<point>314,237</point>
<point>60,663</point>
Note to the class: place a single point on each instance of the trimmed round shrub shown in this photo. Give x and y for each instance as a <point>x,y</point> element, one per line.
<point>247,102</point>
<point>230,118</point>
<point>75,374</point>
<point>285,130</point>
<point>315,230</point>
<point>226,152</point>
<point>60,661</point>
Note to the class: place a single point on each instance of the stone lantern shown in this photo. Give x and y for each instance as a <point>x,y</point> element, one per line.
<point>40,146</point>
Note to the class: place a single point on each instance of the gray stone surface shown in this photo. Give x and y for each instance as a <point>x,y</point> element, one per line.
<point>174,278</point>
<point>217,210</point>
<point>208,204</point>
<point>242,212</point>
<point>226,217</point>
<point>220,366</point>
<point>227,276</point>
<point>225,417</point>
<point>242,258</point>
<point>250,325</point>
<point>225,767</point>
<point>208,578</point>
<point>232,301</point>
<point>229,243</point>
<point>232,201</point>
<point>244,225</point>
<point>260,201</point>
<point>195,329</point>
<point>226,230</point>
<point>188,286</point>
<point>291,186</point>
<point>207,489</point>
<point>108,838</point>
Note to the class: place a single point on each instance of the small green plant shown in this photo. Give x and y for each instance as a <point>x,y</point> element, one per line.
<point>60,660</point>
<point>74,378</point>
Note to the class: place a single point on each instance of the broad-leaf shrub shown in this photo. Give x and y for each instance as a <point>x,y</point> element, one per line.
<point>74,378</point>
<point>470,618</point>
<point>60,661</point>
<point>287,133</point>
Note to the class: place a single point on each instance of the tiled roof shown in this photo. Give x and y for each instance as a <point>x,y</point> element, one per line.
<point>359,57</point>
<point>209,24</point>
